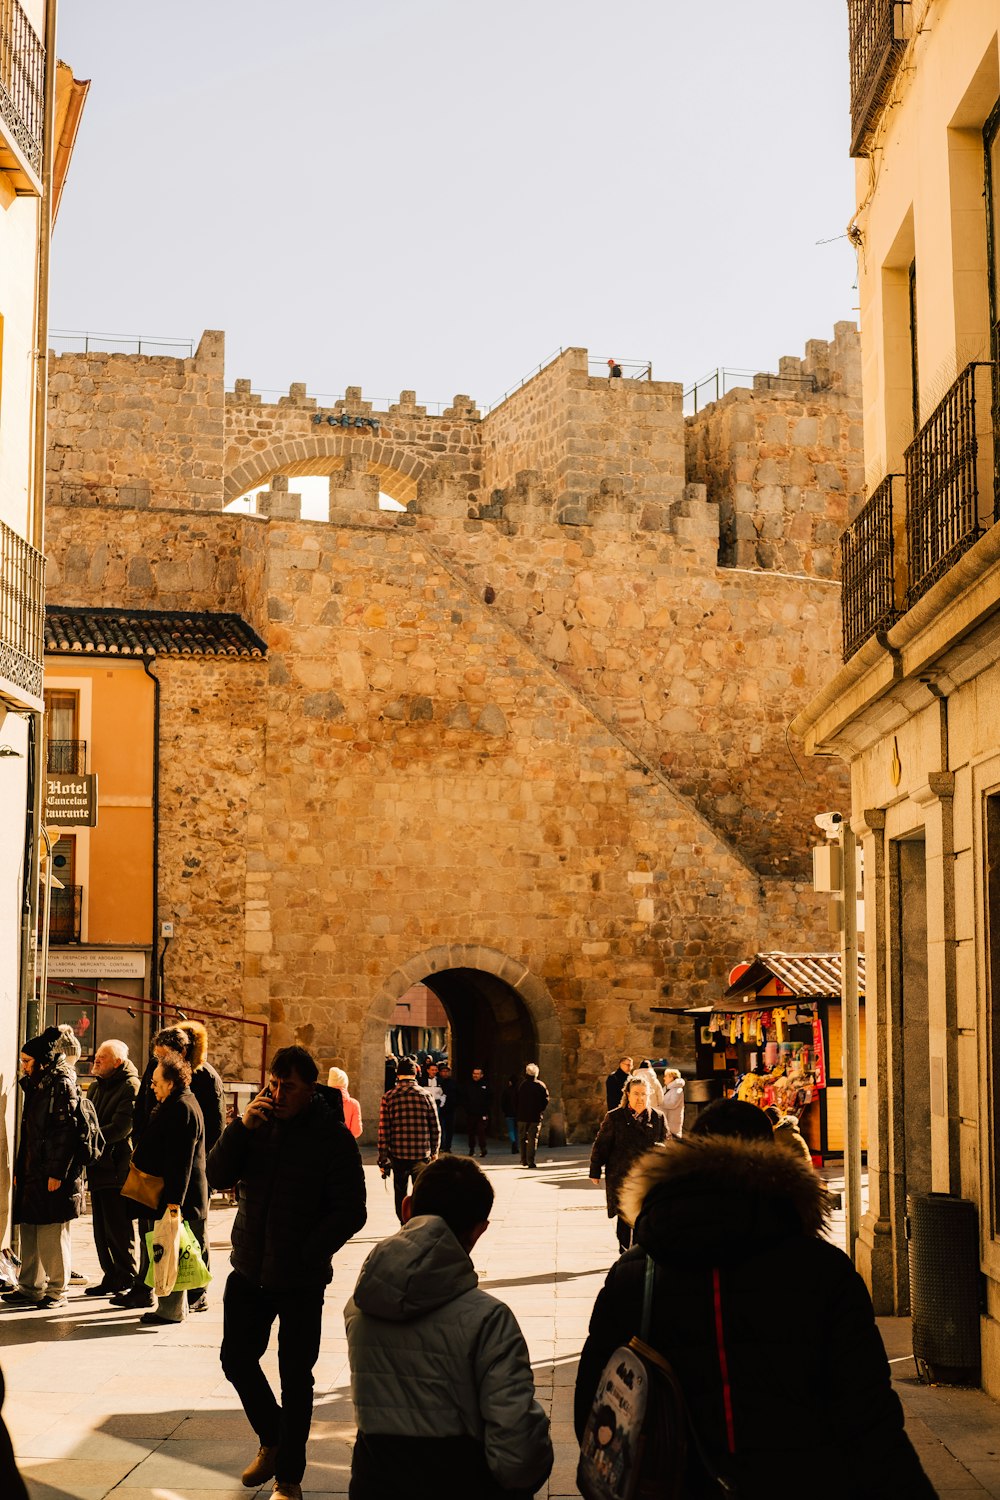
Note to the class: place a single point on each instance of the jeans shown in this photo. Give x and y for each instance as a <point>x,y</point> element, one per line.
<point>45,1263</point>
<point>403,1173</point>
<point>529,1140</point>
<point>250,1312</point>
<point>511,1125</point>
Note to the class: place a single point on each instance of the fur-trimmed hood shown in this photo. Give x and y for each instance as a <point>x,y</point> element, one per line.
<point>716,1199</point>
<point>199,1043</point>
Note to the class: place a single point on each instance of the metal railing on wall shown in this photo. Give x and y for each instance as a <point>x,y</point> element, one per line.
<point>718,383</point>
<point>868,569</point>
<point>876,40</point>
<point>22,612</point>
<point>950,473</point>
<point>66,757</point>
<point>78,341</point>
<point>22,83</point>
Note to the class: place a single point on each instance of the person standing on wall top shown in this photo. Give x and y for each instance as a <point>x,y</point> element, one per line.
<point>301,1197</point>
<point>614,1084</point>
<point>532,1102</point>
<point>614,370</point>
<point>113,1094</point>
<point>409,1132</point>
<point>478,1098</point>
<point>48,1174</point>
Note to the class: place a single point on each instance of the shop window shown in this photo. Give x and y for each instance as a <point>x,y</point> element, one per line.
<point>992,892</point>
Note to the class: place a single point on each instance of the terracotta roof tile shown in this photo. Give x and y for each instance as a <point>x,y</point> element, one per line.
<point>148,632</point>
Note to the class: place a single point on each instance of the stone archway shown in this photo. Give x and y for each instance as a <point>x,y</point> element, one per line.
<point>399,468</point>
<point>529,990</point>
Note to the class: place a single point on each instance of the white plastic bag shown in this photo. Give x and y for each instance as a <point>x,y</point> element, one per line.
<point>166,1249</point>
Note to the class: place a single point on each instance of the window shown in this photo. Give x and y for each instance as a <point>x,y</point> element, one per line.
<point>65,752</point>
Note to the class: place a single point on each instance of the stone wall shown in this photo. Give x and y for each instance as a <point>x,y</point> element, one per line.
<point>784,462</point>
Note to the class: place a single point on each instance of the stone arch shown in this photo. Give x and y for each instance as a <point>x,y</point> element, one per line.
<point>399,469</point>
<point>526,986</point>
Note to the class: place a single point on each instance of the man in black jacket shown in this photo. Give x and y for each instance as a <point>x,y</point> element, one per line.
<point>532,1102</point>
<point>113,1094</point>
<point>301,1196</point>
<point>614,1084</point>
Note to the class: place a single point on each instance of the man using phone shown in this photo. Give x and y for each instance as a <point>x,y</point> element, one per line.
<point>301,1196</point>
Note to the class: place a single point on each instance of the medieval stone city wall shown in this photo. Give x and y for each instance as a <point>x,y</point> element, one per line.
<point>531,718</point>
<point>784,462</point>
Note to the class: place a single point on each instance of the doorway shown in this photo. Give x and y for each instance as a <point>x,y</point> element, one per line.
<point>911,1137</point>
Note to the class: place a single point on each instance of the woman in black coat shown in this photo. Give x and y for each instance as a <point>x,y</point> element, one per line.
<point>768,1327</point>
<point>626,1133</point>
<point>173,1147</point>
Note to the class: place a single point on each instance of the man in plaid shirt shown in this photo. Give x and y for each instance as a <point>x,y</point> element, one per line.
<point>409,1132</point>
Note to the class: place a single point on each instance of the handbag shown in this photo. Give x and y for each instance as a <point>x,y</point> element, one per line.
<point>143,1187</point>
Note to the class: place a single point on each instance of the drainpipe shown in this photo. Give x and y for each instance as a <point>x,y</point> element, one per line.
<point>154,967</point>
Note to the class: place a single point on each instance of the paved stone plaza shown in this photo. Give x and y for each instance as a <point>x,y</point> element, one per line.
<point>100,1407</point>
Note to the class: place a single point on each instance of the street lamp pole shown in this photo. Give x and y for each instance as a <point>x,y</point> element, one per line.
<point>851,1033</point>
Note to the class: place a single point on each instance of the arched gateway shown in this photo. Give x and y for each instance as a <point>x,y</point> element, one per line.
<point>501,1016</point>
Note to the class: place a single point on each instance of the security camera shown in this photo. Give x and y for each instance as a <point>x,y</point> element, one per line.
<point>829,822</point>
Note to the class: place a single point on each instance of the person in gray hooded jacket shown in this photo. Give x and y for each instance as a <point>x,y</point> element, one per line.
<point>440,1375</point>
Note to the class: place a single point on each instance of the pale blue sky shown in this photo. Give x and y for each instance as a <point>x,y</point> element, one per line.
<point>437,195</point>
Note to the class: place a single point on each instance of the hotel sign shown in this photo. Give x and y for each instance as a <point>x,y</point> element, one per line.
<point>71,801</point>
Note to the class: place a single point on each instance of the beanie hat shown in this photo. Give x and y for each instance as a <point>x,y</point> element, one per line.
<point>406,1069</point>
<point>70,1044</point>
<point>46,1048</point>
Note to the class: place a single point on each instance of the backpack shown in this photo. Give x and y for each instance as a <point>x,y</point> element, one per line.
<point>639,1435</point>
<point>89,1133</point>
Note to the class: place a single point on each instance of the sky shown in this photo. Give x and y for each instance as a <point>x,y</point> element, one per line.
<point>437,196</point>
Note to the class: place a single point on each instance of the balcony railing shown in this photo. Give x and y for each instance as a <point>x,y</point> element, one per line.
<point>877,43</point>
<point>951,490</point>
<point>66,757</point>
<point>65,914</point>
<point>22,83</point>
<point>22,616</point>
<point>868,570</point>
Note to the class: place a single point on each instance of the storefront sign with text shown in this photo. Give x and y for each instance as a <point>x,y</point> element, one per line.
<point>71,801</point>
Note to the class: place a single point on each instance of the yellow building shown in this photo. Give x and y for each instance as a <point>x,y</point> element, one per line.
<point>40,106</point>
<point>915,709</point>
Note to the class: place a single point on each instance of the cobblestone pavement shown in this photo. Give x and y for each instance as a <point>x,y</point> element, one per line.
<point>98,1406</point>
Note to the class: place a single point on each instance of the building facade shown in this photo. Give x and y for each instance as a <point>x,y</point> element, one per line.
<point>914,708</point>
<point>40,106</point>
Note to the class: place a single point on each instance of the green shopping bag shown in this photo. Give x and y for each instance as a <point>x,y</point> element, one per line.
<point>191,1269</point>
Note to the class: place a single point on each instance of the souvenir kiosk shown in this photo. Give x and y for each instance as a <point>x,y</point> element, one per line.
<point>775,1038</point>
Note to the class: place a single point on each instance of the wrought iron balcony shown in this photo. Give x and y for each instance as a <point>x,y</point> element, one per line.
<point>22,98</point>
<point>868,569</point>
<point>22,618</point>
<point>951,479</point>
<point>877,43</point>
<point>66,757</point>
<point>66,914</point>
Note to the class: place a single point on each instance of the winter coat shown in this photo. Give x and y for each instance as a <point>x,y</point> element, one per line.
<point>206,1086</point>
<point>623,1137</point>
<point>49,1146</point>
<point>614,1087</point>
<point>655,1086</point>
<point>352,1113</point>
<point>532,1100</point>
<point>789,1137</point>
<point>113,1096</point>
<point>173,1147</point>
<point>478,1097</point>
<point>768,1327</point>
<point>673,1106</point>
<point>440,1368</point>
<point>301,1193</point>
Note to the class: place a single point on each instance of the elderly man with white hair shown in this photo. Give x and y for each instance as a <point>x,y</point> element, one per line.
<point>532,1102</point>
<point>113,1094</point>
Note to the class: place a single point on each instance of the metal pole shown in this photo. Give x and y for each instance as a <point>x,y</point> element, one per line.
<point>851,1032</point>
<point>43,956</point>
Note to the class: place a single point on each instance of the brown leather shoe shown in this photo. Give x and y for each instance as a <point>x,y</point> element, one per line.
<point>262,1468</point>
<point>285,1489</point>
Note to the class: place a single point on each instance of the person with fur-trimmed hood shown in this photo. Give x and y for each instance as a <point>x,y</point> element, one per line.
<point>749,1293</point>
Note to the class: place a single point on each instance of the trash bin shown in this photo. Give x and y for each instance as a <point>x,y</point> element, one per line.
<point>943,1234</point>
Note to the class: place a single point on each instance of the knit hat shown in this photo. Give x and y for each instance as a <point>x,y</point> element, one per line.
<point>70,1044</point>
<point>45,1049</point>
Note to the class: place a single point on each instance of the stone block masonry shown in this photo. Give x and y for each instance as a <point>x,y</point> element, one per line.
<point>528,726</point>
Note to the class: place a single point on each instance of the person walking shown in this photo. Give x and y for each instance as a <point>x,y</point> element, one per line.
<point>48,1174</point>
<point>478,1098</point>
<point>173,1148</point>
<point>532,1102</point>
<point>409,1132</point>
<point>626,1133</point>
<point>673,1101</point>
<point>113,1095</point>
<point>338,1079</point>
<point>301,1197</point>
<point>508,1108</point>
<point>446,1110</point>
<point>614,1084</point>
<point>719,1215</point>
<point>440,1376</point>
